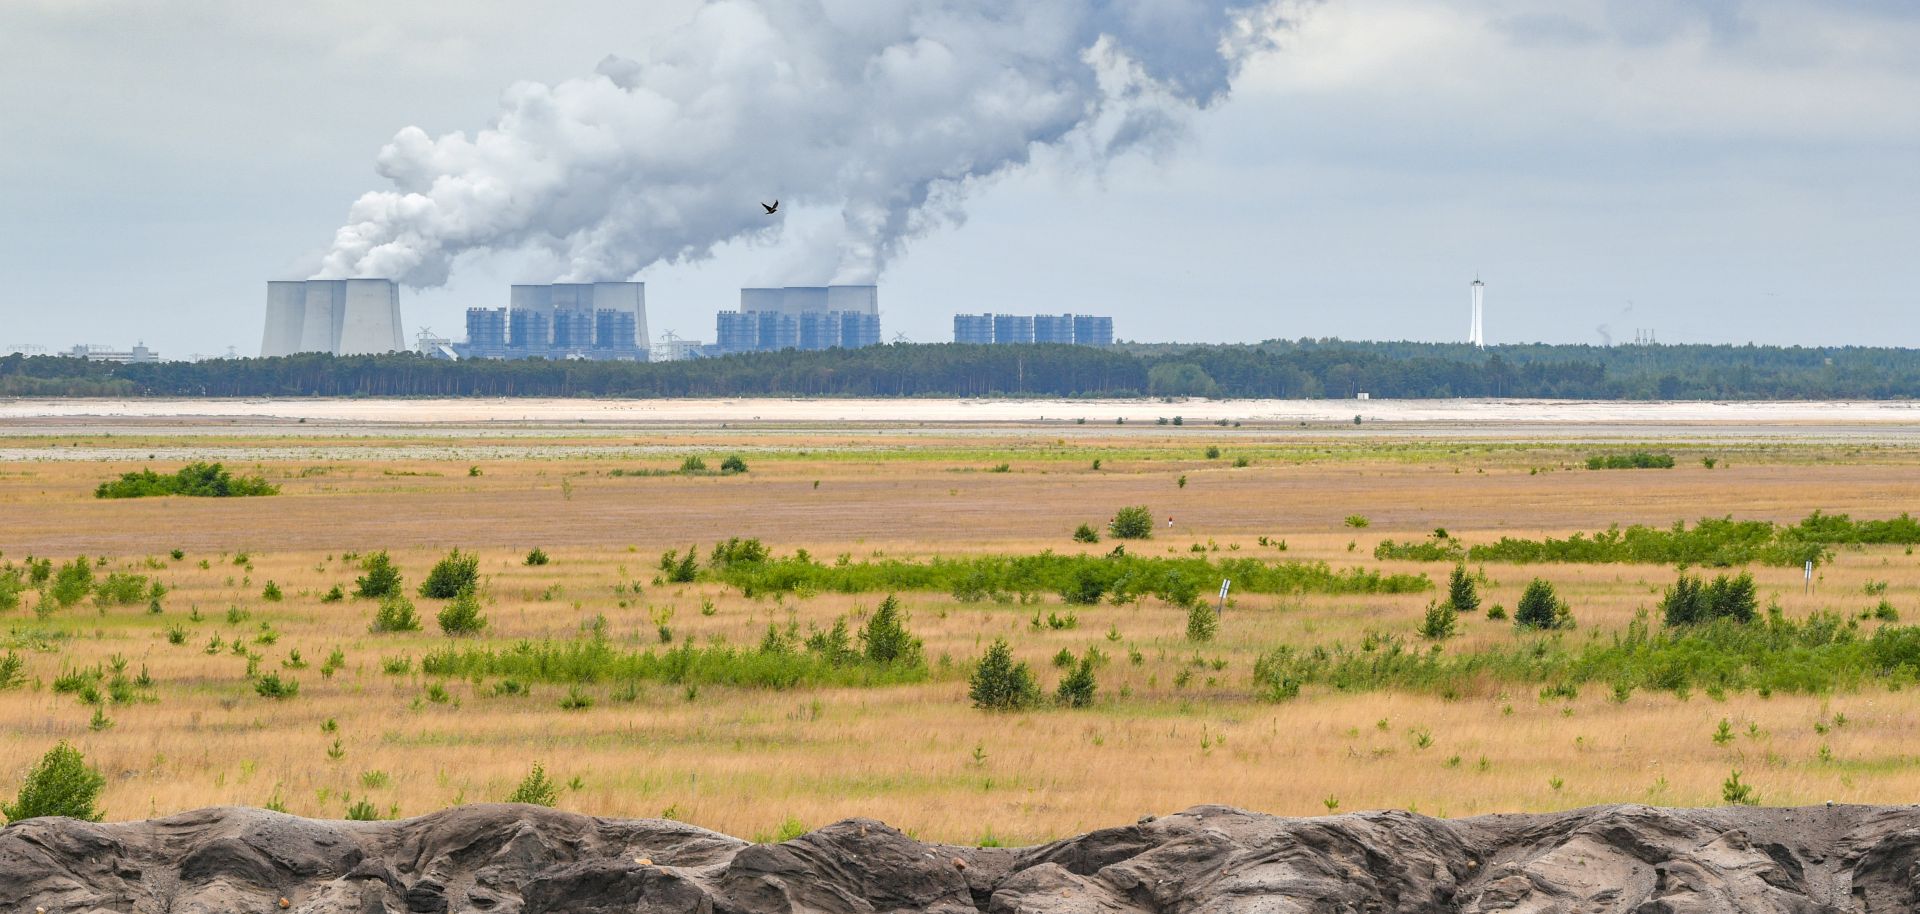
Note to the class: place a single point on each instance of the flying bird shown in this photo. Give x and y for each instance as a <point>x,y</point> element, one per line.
<point>771,209</point>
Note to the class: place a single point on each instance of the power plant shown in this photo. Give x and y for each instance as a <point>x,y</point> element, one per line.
<point>800,317</point>
<point>1072,329</point>
<point>335,316</point>
<point>597,320</point>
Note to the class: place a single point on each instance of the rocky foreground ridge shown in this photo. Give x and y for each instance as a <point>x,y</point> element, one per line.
<point>1207,860</point>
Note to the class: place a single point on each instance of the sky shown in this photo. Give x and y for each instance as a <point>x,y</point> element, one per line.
<point>1719,171</point>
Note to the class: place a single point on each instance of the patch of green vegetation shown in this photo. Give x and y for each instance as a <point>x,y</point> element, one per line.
<point>201,480</point>
<point>1822,654</point>
<point>1636,460</point>
<point>1117,576</point>
<point>782,664</point>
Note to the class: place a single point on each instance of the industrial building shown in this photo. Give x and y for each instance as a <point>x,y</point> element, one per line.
<point>598,320</point>
<point>800,317</point>
<point>1075,329</point>
<point>973,328</point>
<point>336,316</point>
<point>138,355</point>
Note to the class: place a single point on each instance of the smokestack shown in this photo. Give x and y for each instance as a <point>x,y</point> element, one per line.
<point>886,111</point>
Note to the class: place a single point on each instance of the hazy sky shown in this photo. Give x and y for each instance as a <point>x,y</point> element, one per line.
<point>1728,171</point>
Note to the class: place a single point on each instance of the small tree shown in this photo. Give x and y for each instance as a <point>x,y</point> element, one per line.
<point>1462,594</point>
<point>1086,534</point>
<point>462,616</point>
<point>395,615</point>
<point>60,784</point>
<point>379,578</point>
<point>1077,687</point>
<point>536,788</point>
<point>1000,684</point>
<point>1541,608</point>
<point>456,572</point>
<point>1131,523</point>
<point>885,638</point>
<point>537,557</point>
<point>1202,622</point>
<point>733,464</point>
<point>1440,621</point>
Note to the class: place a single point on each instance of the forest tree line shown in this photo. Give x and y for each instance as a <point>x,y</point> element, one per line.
<point>1302,369</point>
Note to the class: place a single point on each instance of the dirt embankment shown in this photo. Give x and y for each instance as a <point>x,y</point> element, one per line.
<point>1207,860</point>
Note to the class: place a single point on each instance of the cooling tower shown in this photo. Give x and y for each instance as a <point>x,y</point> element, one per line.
<point>858,299</point>
<point>369,320</point>
<point>286,307</point>
<point>335,316</point>
<point>629,297</point>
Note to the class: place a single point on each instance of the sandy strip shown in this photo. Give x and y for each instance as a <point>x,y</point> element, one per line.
<point>1454,412</point>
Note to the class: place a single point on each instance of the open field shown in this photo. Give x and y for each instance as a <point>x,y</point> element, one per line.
<point>1175,723</point>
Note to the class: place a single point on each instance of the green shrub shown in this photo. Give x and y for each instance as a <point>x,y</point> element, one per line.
<point>1690,602</point>
<point>120,588</point>
<point>11,587</point>
<point>272,686</point>
<point>334,594</point>
<point>1213,453</point>
<point>1131,523</point>
<point>575,700</point>
<point>733,464</point>
<point>60,784</point>
<point>693,465</point>
<point>362,810</point>
<point>1462,593</point>
<point>1435,550</point>
<point>536,789</point>
<point>379,578</point>
<point>395,615</point>
<point>271,593</point>
<point>456,572</point>
<point>536,558</point>
<point>1202,622</point>
<point>72,582</point>
<point>462,616</point>
<point>885,639</point>
<point>204,480</point>
<point>999,683</point>
<point>1357,521</point>
<point>1541,608</point>
<point>1077,687</point>
<point>1736,793</point>
<point>681,569</point>
<point>1440,621</point>
<point>1637,460</point>
<point>1085,534</point>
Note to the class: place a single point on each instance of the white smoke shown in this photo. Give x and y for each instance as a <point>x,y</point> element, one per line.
<point>885,110</point>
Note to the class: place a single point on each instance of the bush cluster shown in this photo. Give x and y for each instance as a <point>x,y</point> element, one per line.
<point>203,480</point>
<point>1690,602</point>
<point>1637,460</point>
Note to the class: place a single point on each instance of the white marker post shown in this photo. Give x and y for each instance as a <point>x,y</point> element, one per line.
<point>1222,608</point>
<point>1809,576</point>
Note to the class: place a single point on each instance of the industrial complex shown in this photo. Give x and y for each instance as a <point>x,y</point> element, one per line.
<point>1080,329</point>
<point>800,317</point>
<point>607,321</point>
<point>599,320</point>
<point>338,316</point>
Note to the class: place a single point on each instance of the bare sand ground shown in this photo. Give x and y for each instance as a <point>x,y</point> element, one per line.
<point>472,419</point>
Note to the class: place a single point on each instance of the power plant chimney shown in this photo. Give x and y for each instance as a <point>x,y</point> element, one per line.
<point>1477,330</point>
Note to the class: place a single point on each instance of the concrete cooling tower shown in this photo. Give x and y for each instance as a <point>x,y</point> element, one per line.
<point>336,316</point>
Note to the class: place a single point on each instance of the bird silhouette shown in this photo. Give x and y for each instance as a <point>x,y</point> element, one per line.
<point>771,209</point>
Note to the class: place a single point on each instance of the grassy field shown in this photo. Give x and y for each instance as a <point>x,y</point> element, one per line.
<point>1175,722</point>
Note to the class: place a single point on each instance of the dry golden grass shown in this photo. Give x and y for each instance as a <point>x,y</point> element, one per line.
<point>743,761</point>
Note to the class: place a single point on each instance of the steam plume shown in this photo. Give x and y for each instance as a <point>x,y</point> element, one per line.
<point>886,110</point>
